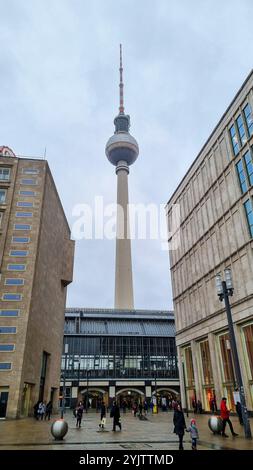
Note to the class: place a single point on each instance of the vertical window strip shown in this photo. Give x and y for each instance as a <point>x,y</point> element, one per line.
<point>249,215</point>
<point>249,166</point>
<point>249,118</point>
<point>241,176</point>
<point>234,139</point>
<point>241,129</point>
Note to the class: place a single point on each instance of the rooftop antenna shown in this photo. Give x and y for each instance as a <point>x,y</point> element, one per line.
<point>121,85</point>
<point>45,153</point>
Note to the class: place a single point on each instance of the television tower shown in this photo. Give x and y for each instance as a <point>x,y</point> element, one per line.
<point>122,150</point>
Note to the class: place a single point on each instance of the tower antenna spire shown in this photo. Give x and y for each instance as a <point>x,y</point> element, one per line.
<point>121,84</point>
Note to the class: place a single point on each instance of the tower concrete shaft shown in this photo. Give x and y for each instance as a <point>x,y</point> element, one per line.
<point>124,298</point>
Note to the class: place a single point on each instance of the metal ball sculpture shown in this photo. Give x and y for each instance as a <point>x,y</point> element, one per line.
<point>59,429</point>
<point>215,424</point>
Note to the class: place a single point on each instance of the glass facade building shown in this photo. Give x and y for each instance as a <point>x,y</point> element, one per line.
<point>119,350</point>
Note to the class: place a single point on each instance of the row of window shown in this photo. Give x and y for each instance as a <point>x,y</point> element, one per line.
<point>3,194</point>
<point>4,347</point>
<point>5,366</point>
<point>9,313</point>
<point>238,132</point>
<point>5,174</point>
<point>245,171</point>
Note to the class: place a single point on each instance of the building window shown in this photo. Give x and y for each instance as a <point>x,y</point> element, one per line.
<point>9,313</point>
<point>30,171</point>
<point>241,129</point>
<point>19,253</point>
<point>14,281</point>
<point>20,239</point>
<point>27,193</point>
<point>249,166</point>
<point>234,139</point>
<point>249,215</point>
<point>29,182</point>
<point>5,366</point>
<point>248,338</point>
<point>8,330</point>
<point>1,217</point>
<point>12,297</point>
<point>7,347</point>
<point>206,362</point>
<point>24,214</point>
<point>16,267</point>
<point>22,227</point>
<point>241,176</point>
<point>2,196</point>
<point>228,376</point>
<point>24,204</point>
<point>249,119</point>
<point>5,174</point>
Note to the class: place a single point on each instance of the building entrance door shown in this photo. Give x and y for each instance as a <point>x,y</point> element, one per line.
<point>3,402</point>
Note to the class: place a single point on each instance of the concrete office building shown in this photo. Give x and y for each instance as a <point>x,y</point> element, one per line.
<point>36,261</point>
<point>216,203</point>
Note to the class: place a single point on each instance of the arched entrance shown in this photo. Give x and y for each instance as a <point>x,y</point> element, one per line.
<point>165,397</point>
<point>94,398</point>
<point>128,396</point>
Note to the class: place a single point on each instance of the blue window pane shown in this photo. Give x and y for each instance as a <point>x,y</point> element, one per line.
<point>249,165</point>
<point>234,140</point>
<point>24,214</point>
<point>241,176</point>
<point>241,130</point>
<point>30,171</point>
<point>22,227</point>
<point>6,347</point>
<point>24,204</point>
<point>20,239</point>
<point>9,313</point>
<point>249,215</point>
<point>12,297</point>
<point>8,329</point>
<point>19,253</point>
<point>27,193</point>
<point>14,282</point>
<point>16,267</point>
<point>249,118</point>
<point>29,182</point>
<point>5,365</point>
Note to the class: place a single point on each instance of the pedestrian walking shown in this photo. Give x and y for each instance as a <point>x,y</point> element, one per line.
<point>145,406</point>
<point>193,430</point>
<point>179,425</point>
<point>41,410</point>
<point>102,416</point>
<point>115,414</point>
<point>225,413</point>
<point>238,408</point>
<point>79,415</point>
<point>199,407</point>
<point>36,409</point>
<point>49,408</point>
<point>140,409</point>
<point>135,408</point>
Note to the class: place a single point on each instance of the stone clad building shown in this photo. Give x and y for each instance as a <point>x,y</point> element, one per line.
<point>216,204</point>
<point>36,263</point>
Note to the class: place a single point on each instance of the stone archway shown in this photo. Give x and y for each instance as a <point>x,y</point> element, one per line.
<point>95,397</point>
<point>166,396</point>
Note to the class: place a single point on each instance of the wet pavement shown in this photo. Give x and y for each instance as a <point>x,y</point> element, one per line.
<point>155,433</point>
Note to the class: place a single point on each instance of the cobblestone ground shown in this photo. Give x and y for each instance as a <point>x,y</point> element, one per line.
<point>154,434</point>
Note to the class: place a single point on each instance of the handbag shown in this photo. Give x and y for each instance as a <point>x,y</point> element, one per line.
<point>103,421</point>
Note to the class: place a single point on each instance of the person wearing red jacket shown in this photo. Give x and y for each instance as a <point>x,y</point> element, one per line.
<point>224,412</point>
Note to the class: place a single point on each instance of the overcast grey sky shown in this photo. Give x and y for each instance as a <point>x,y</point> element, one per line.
<point>183,62</point>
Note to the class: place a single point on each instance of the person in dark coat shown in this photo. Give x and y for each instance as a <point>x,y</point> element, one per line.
<point>179,425</point>
<point>115,414</point>
<point>102,415</point>
<point>79,414</point>
<point>49,409</point>
<point>36,409</point>
<point>238,408</point>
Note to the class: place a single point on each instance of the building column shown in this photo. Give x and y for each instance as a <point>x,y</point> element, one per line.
<point>197,376</point>
<point>181,378</point>
<point>217,379</point>
<point>241,354</point>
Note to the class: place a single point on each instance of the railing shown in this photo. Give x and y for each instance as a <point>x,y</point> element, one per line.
<point>73,374</point>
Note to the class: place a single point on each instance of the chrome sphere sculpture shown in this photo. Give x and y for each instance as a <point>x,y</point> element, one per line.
<point>59,429</point>
<point>215,424</point>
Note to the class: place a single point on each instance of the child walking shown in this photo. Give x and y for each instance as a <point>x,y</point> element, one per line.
<point>193,430</point>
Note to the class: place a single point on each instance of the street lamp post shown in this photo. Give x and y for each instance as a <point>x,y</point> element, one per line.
<point>155,370</point>
<point>225,290</point>
<point>66,350</point>
<point>87,390</point>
